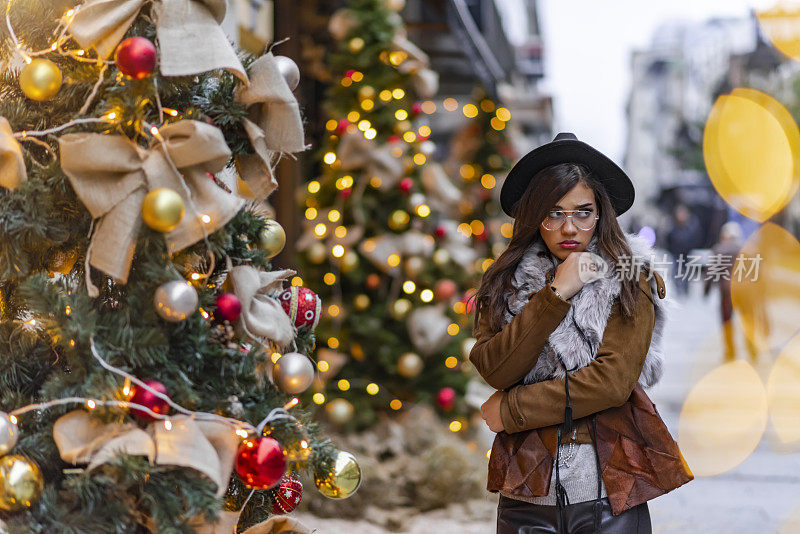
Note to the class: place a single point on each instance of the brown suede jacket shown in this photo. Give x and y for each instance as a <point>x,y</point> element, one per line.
<point>639,460</point>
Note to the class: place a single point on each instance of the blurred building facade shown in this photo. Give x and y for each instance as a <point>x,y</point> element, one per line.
<point>675,82</point>
<point>468,43</point>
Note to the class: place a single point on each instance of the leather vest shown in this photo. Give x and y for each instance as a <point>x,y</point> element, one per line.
<point>639,460</point>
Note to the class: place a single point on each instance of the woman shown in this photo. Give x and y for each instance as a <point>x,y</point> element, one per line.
<point>569,325</point>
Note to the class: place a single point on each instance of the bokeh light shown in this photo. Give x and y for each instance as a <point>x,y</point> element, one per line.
<point>722,419</point>
<point>767,302</point>
<point>751,146</point>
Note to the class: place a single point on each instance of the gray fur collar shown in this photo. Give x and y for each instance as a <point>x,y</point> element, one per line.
<point>577,338</point>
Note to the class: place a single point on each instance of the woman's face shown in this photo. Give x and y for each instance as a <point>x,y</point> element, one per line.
<point>580,197</point>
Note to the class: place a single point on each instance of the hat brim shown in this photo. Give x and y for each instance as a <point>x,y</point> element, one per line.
<point>617,184</point>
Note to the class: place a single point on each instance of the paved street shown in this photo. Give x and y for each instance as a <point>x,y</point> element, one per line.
<point>763,493</point>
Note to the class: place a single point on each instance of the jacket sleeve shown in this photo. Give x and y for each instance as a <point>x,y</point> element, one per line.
<point>505,357</point>
<point>606,382</point>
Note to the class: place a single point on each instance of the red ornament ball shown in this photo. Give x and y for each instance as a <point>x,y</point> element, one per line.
<point>394,139</point>
<point>260,463</point>
<point>302,305</point>
<point>416,108</point>
<point>483,236</point>
<point>346,192</point>
<point>446,398</point>
<point>444,290</point>
<point>229,307</point>
<point>136,57</point>
<point>287,495</point>
<point>147,399</point>
<point>342,126</point>
<point>440,231</point>
<point>406,184</point>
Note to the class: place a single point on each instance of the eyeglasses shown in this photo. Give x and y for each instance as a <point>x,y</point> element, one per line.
<point>582,219</point>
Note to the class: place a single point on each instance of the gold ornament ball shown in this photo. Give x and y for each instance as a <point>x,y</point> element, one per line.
<point>349,261</point>
<point>163,209</point>
<point>361,302</point>
<point>413,266</point>
<point>399,219</point>
<point>40,79</point>
<point>342,480</point>
<point>356,45</point>
<point>441,257</point>
<point>409,365</point>
<point>400,309</point>
<point>317,253</point>
<point>63,261</point>
<point>366,92</point>
<point>339,411</point>
<point>272,238</point>
<point>21,483</point>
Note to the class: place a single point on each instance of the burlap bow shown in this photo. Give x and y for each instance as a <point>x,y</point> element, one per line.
<point>189,33</point>
<point>206,446</point>
<point>262,314</point>
<point>274,124</point>
<point>357,152</point>
<point>111,175</point>
<point>12,165</point>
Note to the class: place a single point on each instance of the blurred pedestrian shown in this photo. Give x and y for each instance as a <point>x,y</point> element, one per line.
<point>681,239</point>
<point>720,272</point>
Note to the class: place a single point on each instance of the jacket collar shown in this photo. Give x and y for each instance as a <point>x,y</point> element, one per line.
<point>577,338</point>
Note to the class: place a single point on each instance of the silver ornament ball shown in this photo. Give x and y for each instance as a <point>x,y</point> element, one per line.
<point>293,373</point>
<point>289,70</point>
<point>8,433</point>
<point>176,300</point>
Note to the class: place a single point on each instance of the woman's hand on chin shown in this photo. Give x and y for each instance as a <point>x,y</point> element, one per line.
<point>490,410</point>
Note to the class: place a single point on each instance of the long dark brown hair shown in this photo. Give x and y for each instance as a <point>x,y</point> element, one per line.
<point>545,190</point>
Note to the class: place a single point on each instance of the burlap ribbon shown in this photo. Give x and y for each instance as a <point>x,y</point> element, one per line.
<point>274,124</point>
<point>12,165</point>
<point>357,152</point>
<point>206,446</point>
<point>189,33</point>
<point>262,314</point>
<point>111,175</point>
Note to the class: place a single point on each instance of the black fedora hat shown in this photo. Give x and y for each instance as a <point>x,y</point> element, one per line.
<point>566,148</point>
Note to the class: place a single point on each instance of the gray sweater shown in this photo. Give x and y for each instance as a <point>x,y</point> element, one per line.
<point>579,477</point>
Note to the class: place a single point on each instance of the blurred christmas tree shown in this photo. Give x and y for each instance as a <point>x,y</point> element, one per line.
<point>481,154</point>
<point>380,231</point>
<point>137,359</point>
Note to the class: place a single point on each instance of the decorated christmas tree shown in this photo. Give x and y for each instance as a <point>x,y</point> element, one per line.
<point>380,232</point>
<point>150,351</point>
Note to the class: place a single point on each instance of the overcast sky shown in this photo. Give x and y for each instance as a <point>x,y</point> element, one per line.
<point>587,46</point>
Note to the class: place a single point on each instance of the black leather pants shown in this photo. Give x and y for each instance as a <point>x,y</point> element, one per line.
<point>520,517</point>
